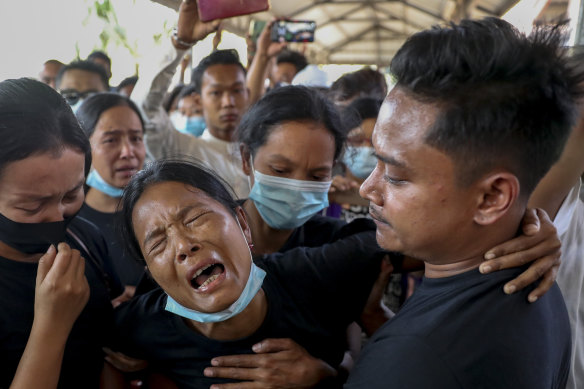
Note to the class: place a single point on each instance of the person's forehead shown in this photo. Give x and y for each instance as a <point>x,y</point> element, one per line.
<point>223,74</point>
<point>51,68</point>
<point>81,80</point>
<point>404,117</point>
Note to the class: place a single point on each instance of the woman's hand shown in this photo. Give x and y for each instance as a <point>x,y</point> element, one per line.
<point>343,184</point>
<point>539,245</point>
<point>60,295</point>
<point>375,313</point>
<point>124,363</point>
<point>189,27</point>
<point>61,289</point>
<point>277,363</point>
<point>129,292</point>
<point>265,47</point>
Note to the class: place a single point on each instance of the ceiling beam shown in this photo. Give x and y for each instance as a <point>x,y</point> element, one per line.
<point>422,10</point>
<point>353,38</point>
<point>394,16</point>
<point>505,7</point>
<point>308,7</point>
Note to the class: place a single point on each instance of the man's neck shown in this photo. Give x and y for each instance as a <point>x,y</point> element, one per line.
<point>224,135</point>
<point>470,255</point>
<point>452,269</point>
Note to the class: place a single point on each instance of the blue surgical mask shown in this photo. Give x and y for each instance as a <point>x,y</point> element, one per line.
<point>252,287</point>
<point>360,160</point>
<point>192,125</point>
<point>285,203</point>
<point>94,180</point>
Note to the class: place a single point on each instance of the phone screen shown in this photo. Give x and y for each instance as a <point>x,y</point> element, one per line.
<point>293,31</point>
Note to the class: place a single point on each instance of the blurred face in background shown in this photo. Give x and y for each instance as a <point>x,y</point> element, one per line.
<point>224,99</point>
<point>117,145</point>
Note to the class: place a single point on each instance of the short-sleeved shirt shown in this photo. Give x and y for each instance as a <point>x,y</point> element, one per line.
<point>464,332</point>
<point>312,294</point>
<point>83,358</point>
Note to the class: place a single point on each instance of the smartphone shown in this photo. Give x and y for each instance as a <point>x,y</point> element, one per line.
<point>293,30</point>
<point>255,29</point>
<point>223,9</point>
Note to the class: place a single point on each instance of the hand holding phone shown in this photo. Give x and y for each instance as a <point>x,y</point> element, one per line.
<point>293,31</point>
<point>223,9</point>
<point>190,29</point>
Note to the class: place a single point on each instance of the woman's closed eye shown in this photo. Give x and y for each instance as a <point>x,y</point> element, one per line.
<point>157,245</point>
<point>192,219</point>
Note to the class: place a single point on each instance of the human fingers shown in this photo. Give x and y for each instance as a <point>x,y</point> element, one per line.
<point>61,263</point>
<point>240,361</point>
<point>547,281</point>
<point>530,223</point>
<point>45,264</point>
<point>520,251</point>
<point>234,373</point>
<point>275,345</point>
<point>543,269</point>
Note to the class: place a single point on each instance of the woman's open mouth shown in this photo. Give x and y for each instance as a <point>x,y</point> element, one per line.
<point>206,275</point>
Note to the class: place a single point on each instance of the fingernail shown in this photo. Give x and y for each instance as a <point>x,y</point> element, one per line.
<point>52,248</point>
<point>214,362</point>
<point>208,372</point>
<point>532,299</point>
<point>509,289</point>
<point>531,228</point>
<point>257,347</point>
<point>490,255</point>
<point>485,269</point>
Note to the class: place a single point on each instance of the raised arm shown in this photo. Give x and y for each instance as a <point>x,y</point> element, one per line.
<point>266,50</point>
<point>60,295</point>
<point>162,139</point>
<point>557,183</point>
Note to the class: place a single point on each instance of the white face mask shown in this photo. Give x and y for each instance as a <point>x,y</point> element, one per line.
<point>252,287</point>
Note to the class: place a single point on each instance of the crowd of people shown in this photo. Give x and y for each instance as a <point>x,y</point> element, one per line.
<point>255,228</point>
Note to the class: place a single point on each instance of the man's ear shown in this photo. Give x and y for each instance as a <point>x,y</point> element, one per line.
<point>498,192</point>
<point>245,159</point>
<point>242,219</point>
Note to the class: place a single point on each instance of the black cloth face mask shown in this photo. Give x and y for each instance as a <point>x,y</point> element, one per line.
<point>32,238</point>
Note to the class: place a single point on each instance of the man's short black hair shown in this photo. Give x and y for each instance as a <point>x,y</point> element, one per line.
<point>219,57</point>
<point>186,91</point>
<point>294,57</point>
<point>361,83</point>
<point>87,66</point>
<point>359,110</point>
<point>506,100</point>
<point>97,54</point>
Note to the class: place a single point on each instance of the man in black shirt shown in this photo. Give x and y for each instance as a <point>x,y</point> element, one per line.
<point>478,115</point>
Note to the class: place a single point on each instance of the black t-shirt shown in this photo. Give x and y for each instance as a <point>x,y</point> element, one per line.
<point>312,294</point>
<point>128,269</point>
<point>83,358</point>
<point>319,230</point>
<point>464,332</point>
